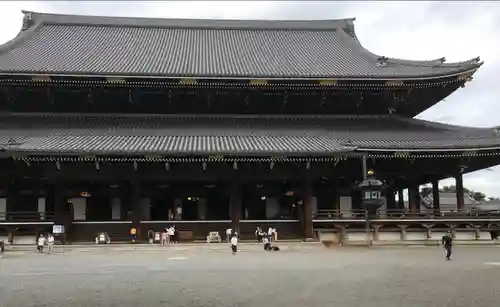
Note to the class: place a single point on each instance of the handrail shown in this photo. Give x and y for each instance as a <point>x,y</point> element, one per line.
<point>28,216</point>
<point>401,214</point>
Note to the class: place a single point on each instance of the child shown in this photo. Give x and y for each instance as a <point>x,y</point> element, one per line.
<point>234,244</point>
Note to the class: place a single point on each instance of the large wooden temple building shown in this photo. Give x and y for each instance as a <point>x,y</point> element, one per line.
<point>108,122</point>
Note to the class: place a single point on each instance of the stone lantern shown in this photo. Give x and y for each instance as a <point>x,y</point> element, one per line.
<point>371,193</point>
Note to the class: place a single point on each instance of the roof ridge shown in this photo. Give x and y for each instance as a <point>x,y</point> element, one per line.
<point>319,24</point>
<point>201,116</point>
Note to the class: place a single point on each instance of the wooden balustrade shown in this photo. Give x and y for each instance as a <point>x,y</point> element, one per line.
<point>402,214</point>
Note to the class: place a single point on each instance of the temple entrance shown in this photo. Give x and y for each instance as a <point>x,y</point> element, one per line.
<point>98,208</point>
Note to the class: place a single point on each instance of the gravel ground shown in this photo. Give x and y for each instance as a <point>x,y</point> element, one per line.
<point>388,277</point>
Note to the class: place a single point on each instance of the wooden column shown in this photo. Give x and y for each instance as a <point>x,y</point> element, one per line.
<point>413,198</point>
<point>435,197</point>
<point>459,184</point>
<point>12,199</point>
<point>59,201</point>
<point>401,201</point>
<point>135,190</point>
<point>390,196</point>
<point>235,206</point>
<point>307,194</point>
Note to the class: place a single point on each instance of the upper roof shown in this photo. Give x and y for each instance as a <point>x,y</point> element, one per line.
<point>237,134</point>
<point>150,47</point>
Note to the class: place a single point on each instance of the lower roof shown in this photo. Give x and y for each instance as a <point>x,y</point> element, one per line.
<point>236,134</point>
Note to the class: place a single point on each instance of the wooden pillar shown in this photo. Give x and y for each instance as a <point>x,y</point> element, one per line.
<point>459,184</point>
<point>307,195</point>
<point>390,197</point>
<point>235,207</point>
<point>413,198</point>
<point>435,197</point>
<point>12,200</point>
<point>59,201</point>
<point>136,205</point>
<point>401,201</point>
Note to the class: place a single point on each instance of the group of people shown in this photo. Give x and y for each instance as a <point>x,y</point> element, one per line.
<point>42,241</point>
<point>167,236</point>
<point>267,238</point>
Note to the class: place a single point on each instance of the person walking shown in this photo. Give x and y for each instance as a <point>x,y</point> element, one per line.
<point>447,242</point>
<point>50,243</point>
<point>234,244</point>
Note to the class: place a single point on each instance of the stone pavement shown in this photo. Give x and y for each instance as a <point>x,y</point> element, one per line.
<point>194,247</point>
<point>347,277</point>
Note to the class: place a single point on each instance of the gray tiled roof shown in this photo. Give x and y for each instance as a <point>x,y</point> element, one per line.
<point>91,45</point>
<point>238,134</point>
<point>448,201</point>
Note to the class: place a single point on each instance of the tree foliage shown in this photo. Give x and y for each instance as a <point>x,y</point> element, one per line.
<point>476,195</point>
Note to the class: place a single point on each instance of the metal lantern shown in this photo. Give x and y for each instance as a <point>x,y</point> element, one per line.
<point>371,193</point>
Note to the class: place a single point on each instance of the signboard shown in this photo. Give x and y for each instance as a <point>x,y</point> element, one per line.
<point>102,237</point>
<point>157,236</point>
<point>57,229</point>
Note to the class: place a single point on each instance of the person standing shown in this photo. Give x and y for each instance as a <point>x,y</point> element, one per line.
<point>50,243</point>
<point>258,234</point>
<point>133,234</point>
<point>164,238</point>
<point>447,242</point>
<point>229,234</point>
<point>2,248</point>
<point>234,244</point>
<point>151,236</point>
<point>270,234</point>
<point>171,235</point>
<point>178,213</point>
<point>40,243</point>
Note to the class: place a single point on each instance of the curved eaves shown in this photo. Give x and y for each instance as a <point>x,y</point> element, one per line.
<point>21,37</point>
<point>350,38</point>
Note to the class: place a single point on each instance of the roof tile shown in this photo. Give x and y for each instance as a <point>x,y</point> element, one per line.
<point>238,134</point>
<point>195,48</point>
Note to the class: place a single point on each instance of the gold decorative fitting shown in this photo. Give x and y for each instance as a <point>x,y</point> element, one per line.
<point>394,82</point>
<point>465,77</point>
<point>115,80</point>
<point>258,82</point>
<point>216,158</point>
<point>328,82</point>
<point>188,81</point>
<point>401,154</point>
<point>470,153</point>
<point>87,158</point>
<point>41,78</point>
<point>153,157</point>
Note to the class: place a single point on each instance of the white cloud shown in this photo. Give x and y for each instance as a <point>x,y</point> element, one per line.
<point>413,30</point>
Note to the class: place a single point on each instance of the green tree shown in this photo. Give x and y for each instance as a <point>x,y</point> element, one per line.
<point>476,195</point>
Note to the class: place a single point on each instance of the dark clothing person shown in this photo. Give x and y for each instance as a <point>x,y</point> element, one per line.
<point>2,247</point>
<point>151,236</point>
<point>494,235</point>
<point>447,242</point>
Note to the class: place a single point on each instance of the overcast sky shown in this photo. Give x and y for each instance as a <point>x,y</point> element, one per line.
<point>412,30</point>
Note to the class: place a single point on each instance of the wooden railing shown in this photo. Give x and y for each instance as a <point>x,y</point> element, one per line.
<point>27,216</point>
<point>402,214</point>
